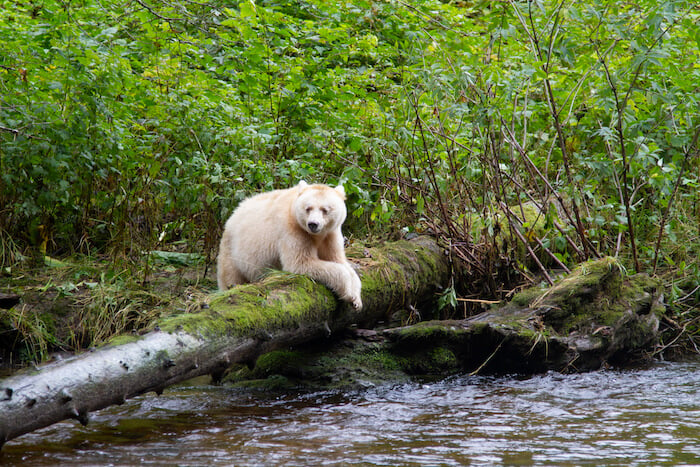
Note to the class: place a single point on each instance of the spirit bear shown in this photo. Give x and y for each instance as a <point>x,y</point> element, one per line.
<point>296,230</point>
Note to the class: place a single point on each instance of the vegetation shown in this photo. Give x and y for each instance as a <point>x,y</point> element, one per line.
<point>526,135</point>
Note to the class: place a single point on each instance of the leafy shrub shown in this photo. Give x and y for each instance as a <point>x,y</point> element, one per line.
<point>126,126</point>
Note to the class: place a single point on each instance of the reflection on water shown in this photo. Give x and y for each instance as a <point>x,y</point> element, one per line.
<point>640,417</point>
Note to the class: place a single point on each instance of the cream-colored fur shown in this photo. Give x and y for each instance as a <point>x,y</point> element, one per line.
<point>296,230</point>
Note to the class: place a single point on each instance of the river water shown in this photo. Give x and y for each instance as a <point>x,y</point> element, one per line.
<point>645,417</point>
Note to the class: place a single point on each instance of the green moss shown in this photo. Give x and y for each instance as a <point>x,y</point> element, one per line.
<point>385,277</point>
<point>527,296</point>
<point>344,364</point>
<point>282,300</point>
<point>383,360</point>
<point>586,289</point>
<point>279,362</point>
<point>595,297</point>
<point>443,358</point>
<point>122,339</point>
<point>369,358</point>
<point>390,271</point>
<point>359,358</point>
<point>428,332</point>
<point>428,360</point>
<point>595,294</point>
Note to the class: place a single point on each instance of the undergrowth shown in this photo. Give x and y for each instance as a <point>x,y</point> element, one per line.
<point>80,303</point>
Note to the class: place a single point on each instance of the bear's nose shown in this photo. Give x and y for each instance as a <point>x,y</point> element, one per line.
<point>313,226</point>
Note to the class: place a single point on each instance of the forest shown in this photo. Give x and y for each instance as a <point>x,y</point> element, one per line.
<point>526,136</point>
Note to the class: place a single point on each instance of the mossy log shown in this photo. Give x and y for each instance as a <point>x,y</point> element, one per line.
<point>238,326</point>
<point>591,318</point>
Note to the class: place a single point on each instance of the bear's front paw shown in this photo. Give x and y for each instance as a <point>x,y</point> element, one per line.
<point>356,302</point>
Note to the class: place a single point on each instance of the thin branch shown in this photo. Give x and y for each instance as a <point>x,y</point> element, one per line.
<point>19,131</point>
<point>588,247</point>
<point>476,372</point>
<point>155,13</point>
<point>431,174</point>
<point>624,190</point>
<point>9,130</point>
<point>524,241</point>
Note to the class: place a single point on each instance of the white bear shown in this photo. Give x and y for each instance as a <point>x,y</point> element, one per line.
<point>296,230</point>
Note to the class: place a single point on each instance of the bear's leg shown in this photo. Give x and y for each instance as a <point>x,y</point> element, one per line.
<point>333,249</point>
<point>339,277</point>
<point>355,283</point>
<point>227,273</point>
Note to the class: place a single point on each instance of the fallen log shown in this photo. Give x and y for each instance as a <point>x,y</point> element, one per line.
<point>593,317</point>
<point>236,327</point>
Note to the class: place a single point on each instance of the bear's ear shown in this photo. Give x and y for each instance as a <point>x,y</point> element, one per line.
<point>340,189</point>
<point>302,184</point>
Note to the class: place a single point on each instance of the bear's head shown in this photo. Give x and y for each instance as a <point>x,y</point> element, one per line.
<point>319,209</point>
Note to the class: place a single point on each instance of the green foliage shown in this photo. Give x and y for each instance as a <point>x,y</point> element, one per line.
<point>127,126</point>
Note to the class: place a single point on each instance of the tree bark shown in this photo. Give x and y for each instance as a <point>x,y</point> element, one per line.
<point>236,327</point>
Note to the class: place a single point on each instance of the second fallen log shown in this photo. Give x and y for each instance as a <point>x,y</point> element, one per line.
<point>593,317</point>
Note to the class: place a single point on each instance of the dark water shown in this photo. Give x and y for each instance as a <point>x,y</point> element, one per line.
<point>640,417</point>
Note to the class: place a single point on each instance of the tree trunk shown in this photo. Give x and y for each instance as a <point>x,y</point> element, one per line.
<point>237,326</point>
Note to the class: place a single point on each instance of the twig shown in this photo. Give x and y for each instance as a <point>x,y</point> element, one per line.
<point>588,247</point>
<point>624,190</point>
<point>680,333</point>
<point>481,367</point>
<point>433,19</point>
<point>155,13</point>
<point>524,241</point>
<point>539,242</point>
<point>688,295</point>
<point>475,300</point>
<point>571,243</point>
<point>9,130</point>
<point>554,112</point>
<point>18,131</point>
<point>432,176</point>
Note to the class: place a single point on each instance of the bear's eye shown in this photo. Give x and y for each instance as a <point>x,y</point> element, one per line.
<point>309,209</point>
<point>324,210</point>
